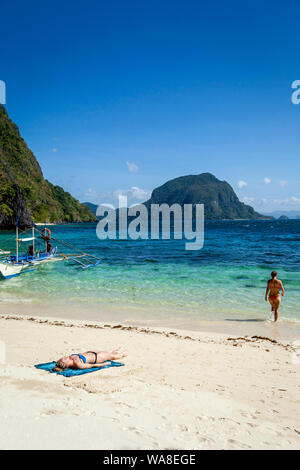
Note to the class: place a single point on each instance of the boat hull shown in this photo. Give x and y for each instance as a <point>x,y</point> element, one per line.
<point>11,270</point>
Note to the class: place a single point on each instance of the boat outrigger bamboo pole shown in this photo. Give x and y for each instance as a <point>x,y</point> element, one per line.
<point>32,237</point>
<point>83,253</point>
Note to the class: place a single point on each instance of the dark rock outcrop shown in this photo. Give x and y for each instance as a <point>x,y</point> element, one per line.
<point>19,210</point>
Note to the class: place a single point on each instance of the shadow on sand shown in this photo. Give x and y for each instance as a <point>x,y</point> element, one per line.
<point>246,320</point>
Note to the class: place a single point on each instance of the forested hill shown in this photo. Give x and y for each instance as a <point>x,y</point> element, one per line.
<point>23,190</point>
<point>218,197</point>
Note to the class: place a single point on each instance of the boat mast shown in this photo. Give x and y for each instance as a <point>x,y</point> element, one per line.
<point>17,236</point>
<point>32,236</point>
<point>45,238</point>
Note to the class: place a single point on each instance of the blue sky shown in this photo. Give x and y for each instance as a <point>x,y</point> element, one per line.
<point>122,96</point>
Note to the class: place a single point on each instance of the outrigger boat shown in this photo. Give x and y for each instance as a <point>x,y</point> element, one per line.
<point>14,265</point>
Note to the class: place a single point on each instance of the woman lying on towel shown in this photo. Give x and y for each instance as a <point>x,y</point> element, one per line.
<point>88,359</point>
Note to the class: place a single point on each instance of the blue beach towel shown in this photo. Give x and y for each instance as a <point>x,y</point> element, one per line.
<point>49,366</point>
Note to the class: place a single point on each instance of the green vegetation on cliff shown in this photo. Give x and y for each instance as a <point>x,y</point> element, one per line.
<point>23,190</point>
<point>218,197</point>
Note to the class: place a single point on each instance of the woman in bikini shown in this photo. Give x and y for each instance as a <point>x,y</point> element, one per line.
<point>89,359</point>
<point>273,287</point>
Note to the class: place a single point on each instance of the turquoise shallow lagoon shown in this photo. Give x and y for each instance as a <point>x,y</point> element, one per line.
<point>159,279</point>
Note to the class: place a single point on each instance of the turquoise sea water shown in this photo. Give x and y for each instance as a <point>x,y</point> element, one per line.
<point>226,280</point>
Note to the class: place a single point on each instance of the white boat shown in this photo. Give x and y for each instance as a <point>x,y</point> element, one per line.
<point>8,269</point>
<point>14,265</point>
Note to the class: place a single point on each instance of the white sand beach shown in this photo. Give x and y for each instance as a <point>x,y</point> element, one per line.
<point>178,389</point>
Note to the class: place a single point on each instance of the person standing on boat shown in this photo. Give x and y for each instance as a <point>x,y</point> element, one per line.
<point>30,251</point>
<point>46,235</point>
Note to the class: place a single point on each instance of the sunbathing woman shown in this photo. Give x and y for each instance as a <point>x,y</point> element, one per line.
<point>273,287</point>
<point>88,359</point>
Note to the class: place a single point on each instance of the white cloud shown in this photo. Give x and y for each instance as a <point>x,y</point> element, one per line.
<point>248,200</point>
<point>139,193</point>
<point>115,194</point>
<point>91,194</point>
<point>54,150</point>
<point>133,194</point>
<point>267,180</point>
<point>283,183</point>
<point>287,203</point>
<point>241,184</point>
<point>132,167</point>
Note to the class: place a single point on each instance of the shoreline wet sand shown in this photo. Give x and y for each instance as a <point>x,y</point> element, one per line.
<point>284,329</point>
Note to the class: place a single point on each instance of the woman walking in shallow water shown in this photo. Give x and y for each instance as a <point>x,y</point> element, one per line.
<point>273,287</point>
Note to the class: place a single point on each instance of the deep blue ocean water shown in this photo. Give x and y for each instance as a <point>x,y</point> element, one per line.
<point>224,280</point>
